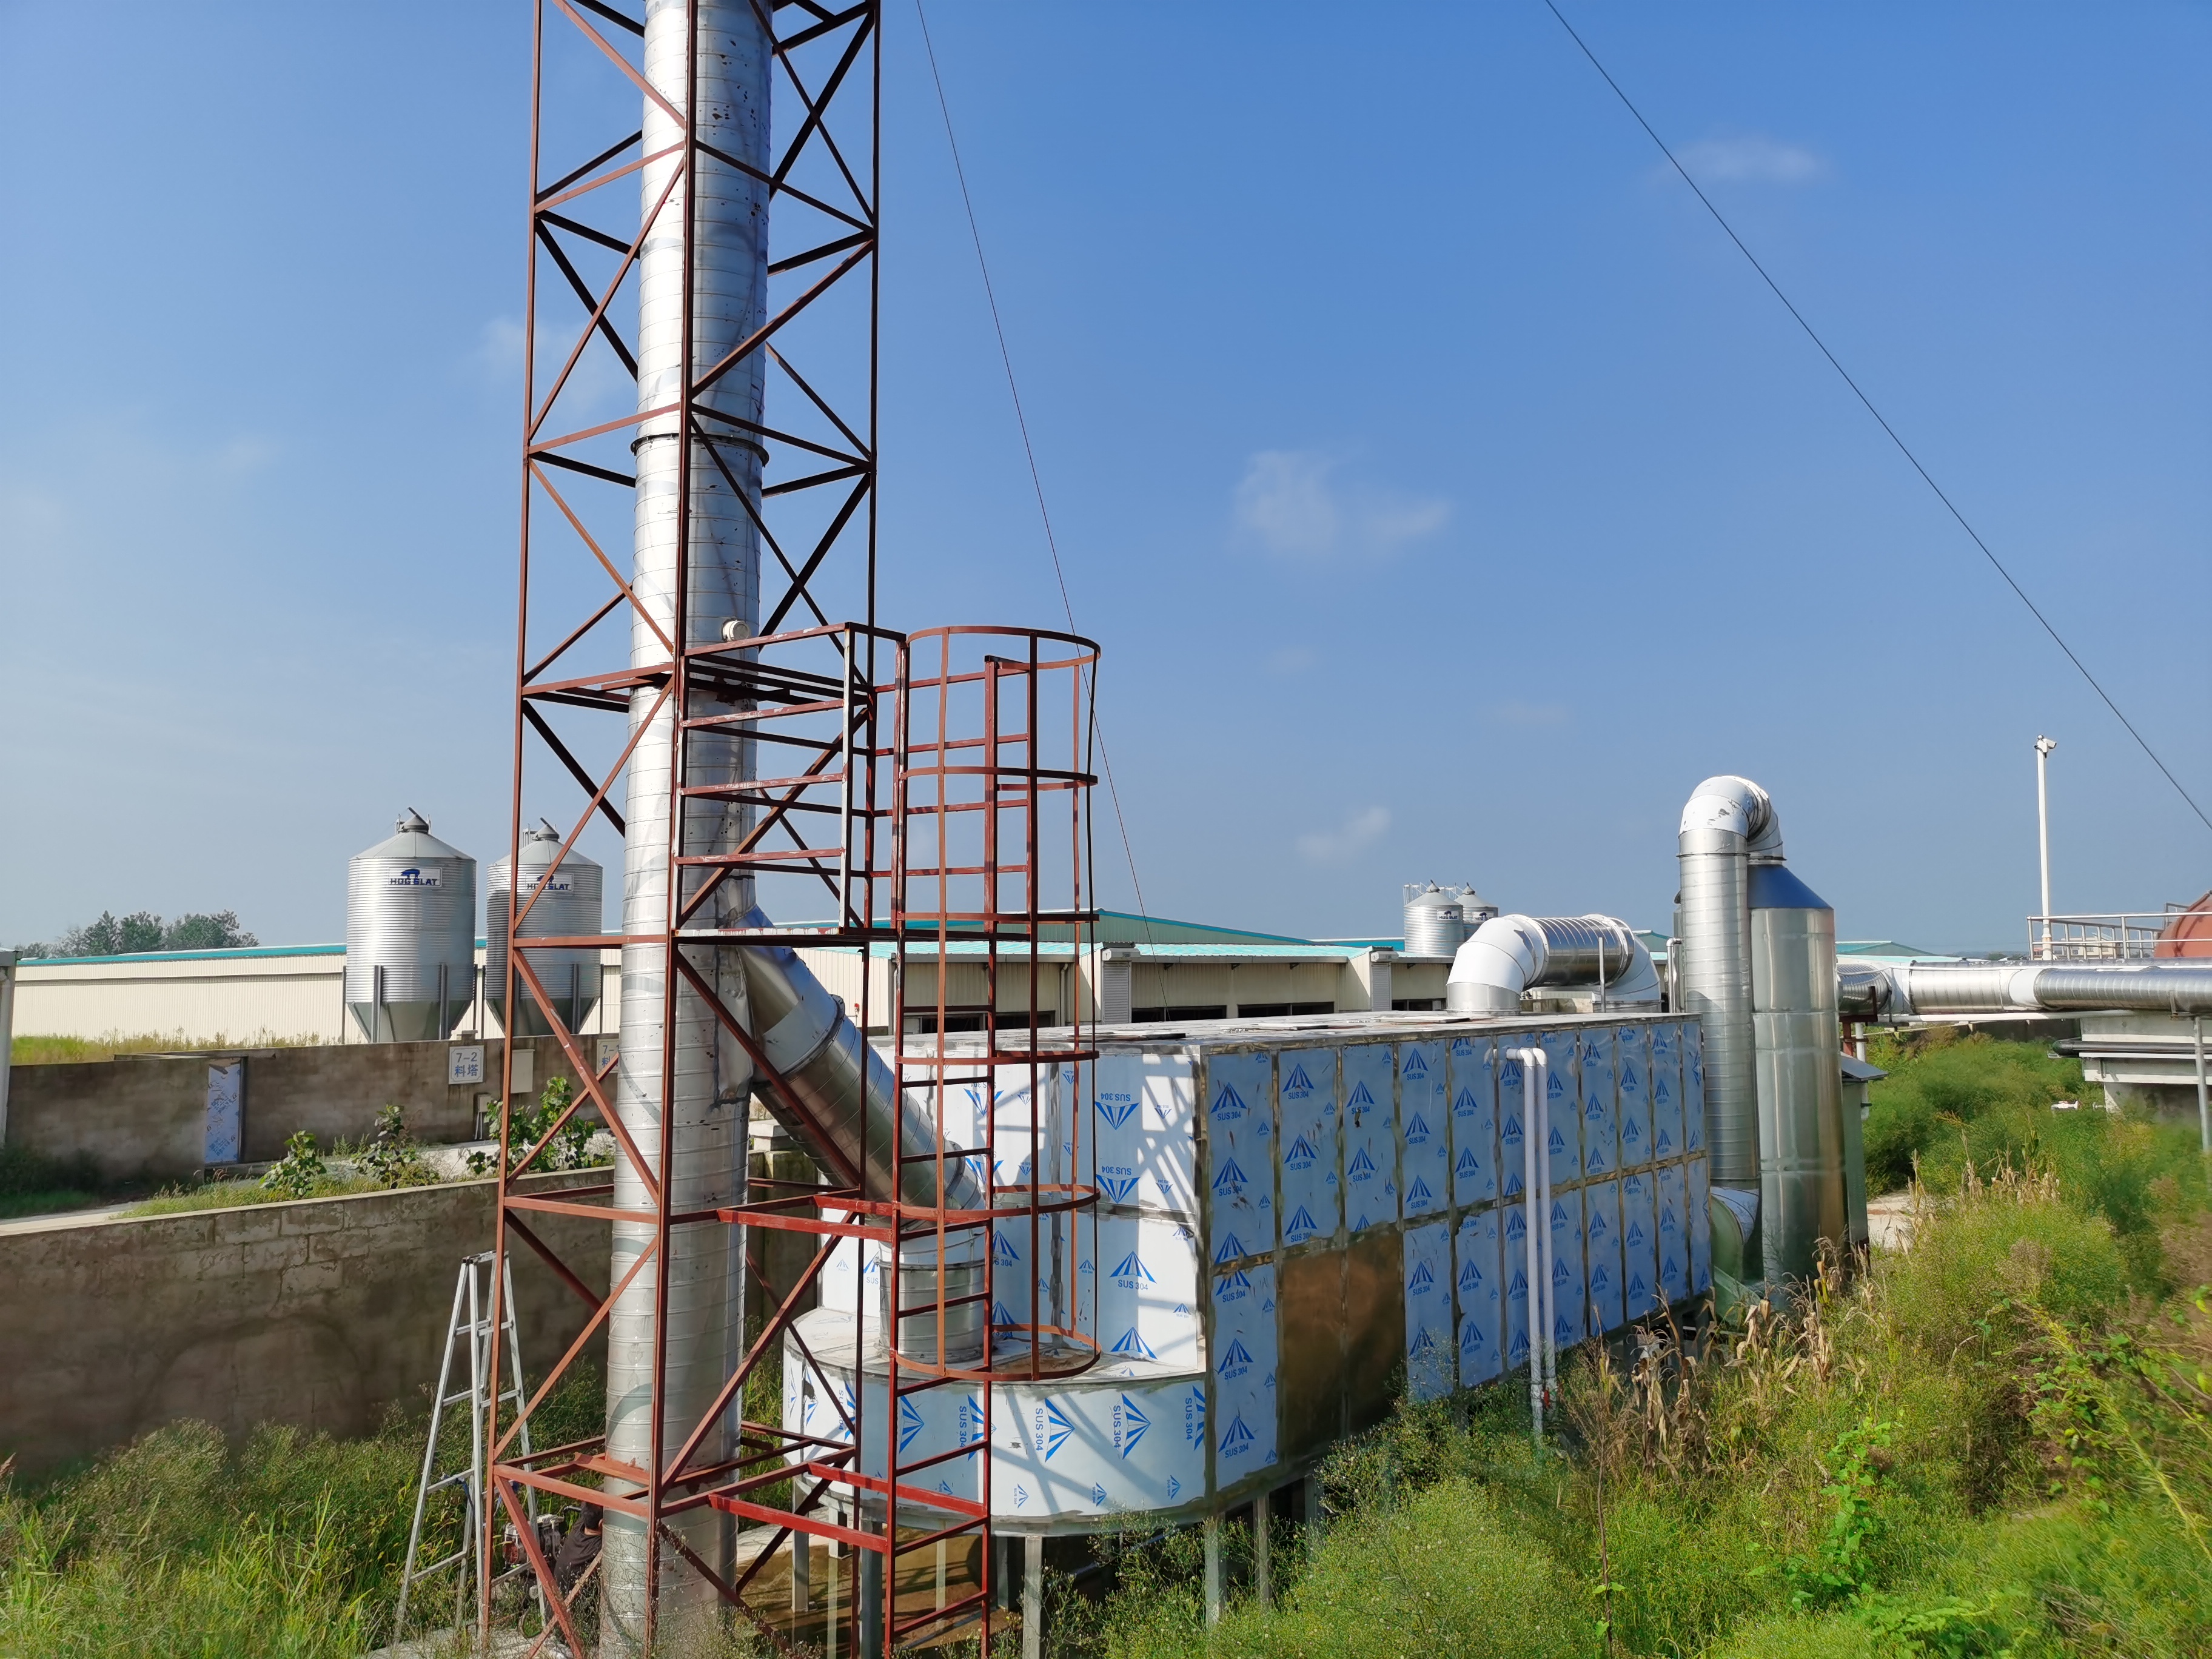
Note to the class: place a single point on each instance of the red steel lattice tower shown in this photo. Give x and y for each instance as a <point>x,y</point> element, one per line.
<point>927,794</point>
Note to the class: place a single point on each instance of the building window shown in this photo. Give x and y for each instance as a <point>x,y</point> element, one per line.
<point>1154,1016</point>
<point>1277,1010</point>
<point>1417,1005</point>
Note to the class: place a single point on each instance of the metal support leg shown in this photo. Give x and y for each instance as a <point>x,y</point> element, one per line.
<point>802,1582</point>
<point>1262,1587</point>
<point>2203,1111</point>
<point>871,1640</point>
<point>1212,1529</point>
<point>1311,1495</point>
<point>1033,1596</point>
<point>940,1575</point>
<point>1000,1585</point>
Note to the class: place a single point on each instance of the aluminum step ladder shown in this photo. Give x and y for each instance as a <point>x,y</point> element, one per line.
<point>469,1324</point>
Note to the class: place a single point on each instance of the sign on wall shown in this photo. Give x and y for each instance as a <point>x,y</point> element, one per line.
<point>464,1064</point>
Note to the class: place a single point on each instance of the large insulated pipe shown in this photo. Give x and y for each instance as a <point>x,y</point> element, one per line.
<point>1508,955</point>
<point>1728,825</point>
<point>1924,989</point>
<point>726,209</point>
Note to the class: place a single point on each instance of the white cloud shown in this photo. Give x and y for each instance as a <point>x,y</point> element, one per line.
<point>1358,832</point>
<point>1749,158</point>
<point>1291,503</point>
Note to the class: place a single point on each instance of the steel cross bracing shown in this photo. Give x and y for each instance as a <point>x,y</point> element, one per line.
<point>933,788</point>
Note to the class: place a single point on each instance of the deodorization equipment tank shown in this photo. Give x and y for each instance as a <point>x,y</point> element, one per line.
<point>411,935</point>
<point>568,907</point>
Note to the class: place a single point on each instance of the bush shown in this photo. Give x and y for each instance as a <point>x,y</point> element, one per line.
<point>1828,1635</point>
<point>1937,1082</point>
<point>1445,1573</point>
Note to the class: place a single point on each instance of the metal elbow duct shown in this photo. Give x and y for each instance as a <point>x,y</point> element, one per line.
<point>1512,954</point>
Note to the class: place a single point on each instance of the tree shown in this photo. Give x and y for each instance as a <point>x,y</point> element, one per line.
<point>142,930</point>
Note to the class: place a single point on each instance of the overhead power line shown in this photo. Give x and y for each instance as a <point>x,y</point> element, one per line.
<point>1903,448</point>
<point>1028,451</point>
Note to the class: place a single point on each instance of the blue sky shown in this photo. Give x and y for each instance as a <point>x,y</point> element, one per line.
<point>1449,496</point>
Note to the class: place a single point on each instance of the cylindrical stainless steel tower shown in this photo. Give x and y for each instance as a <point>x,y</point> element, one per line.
<point>1728,825</point>
<point>411,935</point>
<point>726,208</point>
<point>1798,1077</point>
<point>568,903</point>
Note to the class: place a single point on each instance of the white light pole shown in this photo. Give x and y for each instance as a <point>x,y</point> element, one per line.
<point>2042,748</point>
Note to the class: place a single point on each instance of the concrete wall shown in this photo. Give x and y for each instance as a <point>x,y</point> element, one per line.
<point>320,1314</point>
<point>146,1114</point>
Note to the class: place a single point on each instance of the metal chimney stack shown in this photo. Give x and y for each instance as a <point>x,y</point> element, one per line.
<point>718,219</point>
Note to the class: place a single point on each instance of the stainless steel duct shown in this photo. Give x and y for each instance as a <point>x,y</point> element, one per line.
<point>708,1096</point>
<point>1797,1053</point>
<point>1727,823</point>
<point>849,1114</point>
<point>1508,955</point>
<point>1923,988</point>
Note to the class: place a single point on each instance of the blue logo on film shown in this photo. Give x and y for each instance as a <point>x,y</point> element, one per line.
<point>1422,1346</point>
<point>1299,1154</point>
<point>1193,1417</point>
<point>1360,1100</point>
<point>1228,1105</point>
<point>1415,1065</point>
<point>1297,1083</point>
<point>1098,1495</point>
<point>1418,1195</point>
<point>1117,1113</point>
<point>1132,1346</point>
<point>1417,1129</point>
<point>1238,1439</point>
<point>1228,1181</point>
<point>1300,1226</point>
<point>1465,1104</point>
<point>1133,1272</point>
<point>1175,1488</point>
<point>1471,1337</point>
<point>1235,1359</point>
<point>1129,1425</point>
<point>1468,1165</point>
<point>1419,1279</point>
<point>1118,1190</point>
<point>1362,1168</point>
<point>1470,1279</point>
<point>1232,1248</point>
<point>1003,1252</point>
<point>910,1422</point>
<point>1051,1429</point>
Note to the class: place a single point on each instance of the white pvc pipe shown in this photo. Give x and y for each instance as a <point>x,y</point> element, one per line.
<point>1535,1203</point>
<point>1542,1084</point>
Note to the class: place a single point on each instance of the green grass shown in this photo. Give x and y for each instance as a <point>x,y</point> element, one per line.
<point>233,1195</point>
<point>72,1050</point>
<point>32,1183</point>
<point>286,1547</point>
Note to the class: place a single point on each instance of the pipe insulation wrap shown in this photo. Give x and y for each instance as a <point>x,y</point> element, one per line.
<point>709,1096</point>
